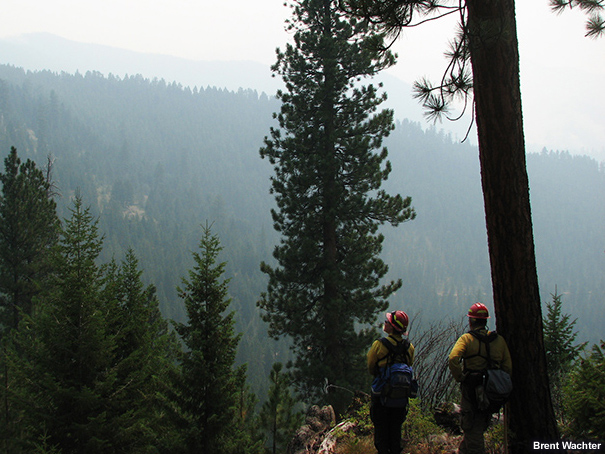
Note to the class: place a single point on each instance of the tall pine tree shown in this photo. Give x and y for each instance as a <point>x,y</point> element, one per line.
<point>29,228</point>
<point>66,351</point>
<point>209,386</point>
<point>28,233</point>
<point>484,63</point>
<point>329,168</point>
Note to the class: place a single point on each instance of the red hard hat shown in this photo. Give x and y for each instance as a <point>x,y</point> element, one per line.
<point>398,320</point>
<point>478,310</point>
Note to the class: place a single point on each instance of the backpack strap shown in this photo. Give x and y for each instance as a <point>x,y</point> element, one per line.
<point>483,339</point>
<point>400,350</point>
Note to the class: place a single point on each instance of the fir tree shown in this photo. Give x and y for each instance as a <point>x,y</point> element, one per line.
<point>28,230</point>
<point>66,351</point>
<point>561,353</point>
<point>144,356</point>
<point>277,415</point>
<point>327,183</point>
<point>585,395</point>
<point>246,434</point>
<point>559,337</point>
<point>94,359</point>
<point>208,388</point>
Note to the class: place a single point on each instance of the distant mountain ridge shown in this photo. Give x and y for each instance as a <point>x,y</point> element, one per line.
<point>45,51</point>
<point>39,51</point>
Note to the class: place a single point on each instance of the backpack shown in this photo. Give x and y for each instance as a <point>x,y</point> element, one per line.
<point>494,385</point>
<point>395,383</point>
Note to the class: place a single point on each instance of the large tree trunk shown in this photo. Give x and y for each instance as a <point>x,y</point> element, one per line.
<point>495,60</point>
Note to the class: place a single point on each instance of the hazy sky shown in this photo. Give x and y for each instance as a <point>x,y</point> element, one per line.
<point>562,72</point>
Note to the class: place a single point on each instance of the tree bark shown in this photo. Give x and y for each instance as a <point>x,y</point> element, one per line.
<point>495,61</point>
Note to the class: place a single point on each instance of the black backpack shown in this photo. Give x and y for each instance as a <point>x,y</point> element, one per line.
<point>492,386</point>
<point>395,383</point>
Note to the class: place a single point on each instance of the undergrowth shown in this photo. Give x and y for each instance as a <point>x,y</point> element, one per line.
<point>420,433</point>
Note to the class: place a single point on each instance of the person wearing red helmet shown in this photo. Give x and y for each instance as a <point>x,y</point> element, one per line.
<point>388,421</point>
<point>467,361</point>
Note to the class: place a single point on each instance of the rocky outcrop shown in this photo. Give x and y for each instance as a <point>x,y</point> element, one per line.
<point>309,437</point>
<point>320,434</point>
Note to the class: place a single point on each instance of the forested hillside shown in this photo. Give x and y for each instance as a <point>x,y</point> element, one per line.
<point>155,161</point>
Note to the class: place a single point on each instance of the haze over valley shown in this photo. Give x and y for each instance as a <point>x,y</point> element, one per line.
<point>158,154</point>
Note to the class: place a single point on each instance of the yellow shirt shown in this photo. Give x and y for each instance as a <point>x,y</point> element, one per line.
<point>468,345</point>
<point>378,353</point>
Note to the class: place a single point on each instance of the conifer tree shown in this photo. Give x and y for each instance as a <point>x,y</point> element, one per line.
<point>95,358</point>
<point>585,395</point>
<point>246,434</point>
<point>65,350</point>
<point>559,337</point>
<point>209,384</point>
<point>329,168</point>
<point>28,230</point>
<point>484,63</point>
<point>561,353</point>
<point>144,356</point>
<point>277,415</point>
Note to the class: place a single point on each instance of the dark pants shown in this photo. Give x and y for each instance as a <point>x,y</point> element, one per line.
<point>387,427</point>
<point>473,423</point>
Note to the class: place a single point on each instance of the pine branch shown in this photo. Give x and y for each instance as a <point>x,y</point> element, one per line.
<point>595,24</point>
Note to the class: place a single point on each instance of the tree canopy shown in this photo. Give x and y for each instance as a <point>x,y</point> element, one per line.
<point>329,167</point>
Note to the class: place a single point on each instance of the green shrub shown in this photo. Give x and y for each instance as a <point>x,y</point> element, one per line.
<point>419,424</point>
<point>585,395</point>
<point>421,433</point>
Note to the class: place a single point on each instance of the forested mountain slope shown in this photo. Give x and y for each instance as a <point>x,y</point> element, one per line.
<point>156,160</point>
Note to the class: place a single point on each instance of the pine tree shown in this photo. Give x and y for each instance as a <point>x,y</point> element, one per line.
<point>28,230</point>
<point>561,353</point>
<point>28,233</point>
<point>145,351</point>
<point>246,434</point>
<point>208,388</point>
<point>559,337</point>
<point>585,395</point>
<point>95,357</point>
<point>327,188</point>
<point>65,350</point>
<point>484,63</point>
<point>595,24</point>
<point>277,415</point>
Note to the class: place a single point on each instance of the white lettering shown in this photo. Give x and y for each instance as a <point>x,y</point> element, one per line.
<point>584,445</point>
<point>538,445</point>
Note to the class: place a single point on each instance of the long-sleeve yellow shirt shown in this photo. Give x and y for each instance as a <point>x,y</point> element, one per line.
<point>467,346</point>
<point>377,355</point>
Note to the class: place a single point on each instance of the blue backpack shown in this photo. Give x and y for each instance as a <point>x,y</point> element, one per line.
<point>395,384</point>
